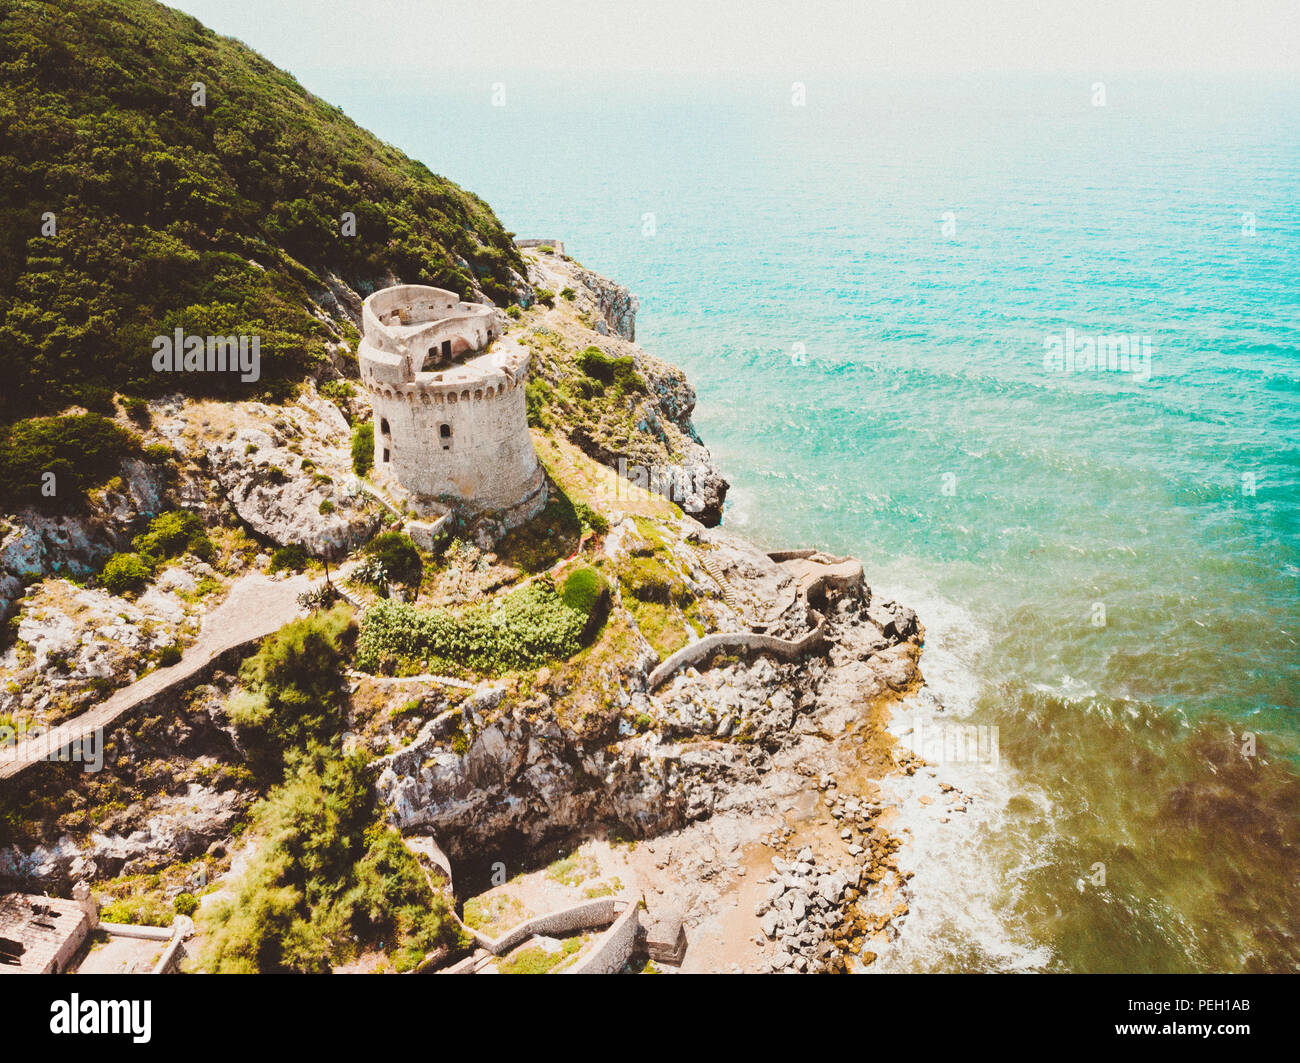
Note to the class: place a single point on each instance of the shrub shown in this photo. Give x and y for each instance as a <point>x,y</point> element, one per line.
<point>83,451</point>
<point>621,372</point>
<point>363,448</point>
<point>338,391</point>
<point>583,590</point>
<point>325,508</point>
<point>292,696</point>
<point>537,395</point>
<point>137,409</point>
<point>172,534</point>
<point>524,629</point>
<point>399,557</point>
<point>125,574</point>
<point>169,655</point>
<point>329,876</point>
<point>592,518</point>
<point>292,557</point>
<point>185,904</point>
<point>513,312</point>
<point>545,296</point>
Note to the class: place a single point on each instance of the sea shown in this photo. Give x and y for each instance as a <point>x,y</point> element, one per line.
<point>1030,348</point>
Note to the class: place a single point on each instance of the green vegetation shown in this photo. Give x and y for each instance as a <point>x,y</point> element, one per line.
<point>573,869</point>
<point>363,448</point>
<point>325,508</point>
<point>621,372</point>
<point>292,557</point>
<point>337,391</point>
<point>327,876</point>
<point>293,696</point>
<point>169,655</point>
<point>398,556</point>
<point>140,909</point>
<point>186,904</point>
<point>513,312</point>
<point>137,409</point>
<point>569,294</point>
<point>127,210</point>
<point>523,629</point>
<point>591,518</point>
<point>495,913</point>
<point>533,959</point>
<point>81,450</point>
<point>537,395</point>
<point>172,534</point>
<point>583,590</point>
<point>125,574</point>
<point>545,297</point>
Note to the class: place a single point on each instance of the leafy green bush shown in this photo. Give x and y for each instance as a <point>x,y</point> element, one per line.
<point>293,557</point>
<point>325,508</point>
<point>513,311</point>
<point>399,557</point>
<point>125,574</point>
<point>172,534</point>
<point>169,655</point>
<point>582,590</point>
<point>82,451</point>
<point>138,909</point>
<point>545,297</point>
<point>621,372</point>
<point>363,448</point>
<point>186,904</point>
<point>569,294</point>
<point>330,876</point>
<point>338,391</point>
<point>292,696</point>
<point>592,518</point>
<point>524,629</point>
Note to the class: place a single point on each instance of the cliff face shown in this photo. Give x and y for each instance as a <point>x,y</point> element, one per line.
<point>643,427</point>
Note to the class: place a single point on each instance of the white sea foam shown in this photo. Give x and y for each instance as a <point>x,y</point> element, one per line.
<point>960,911</point>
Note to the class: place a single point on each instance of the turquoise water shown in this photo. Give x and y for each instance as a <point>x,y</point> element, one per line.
<point>918,427</point>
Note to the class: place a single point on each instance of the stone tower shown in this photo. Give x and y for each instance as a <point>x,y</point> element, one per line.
<point>451,426</point>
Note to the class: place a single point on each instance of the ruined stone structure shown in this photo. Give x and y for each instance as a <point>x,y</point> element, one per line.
<point>451,428</point>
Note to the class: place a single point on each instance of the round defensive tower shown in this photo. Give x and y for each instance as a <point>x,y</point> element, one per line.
<point>451,424</point>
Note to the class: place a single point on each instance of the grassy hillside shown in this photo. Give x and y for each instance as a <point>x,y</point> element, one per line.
<point>218,219</point>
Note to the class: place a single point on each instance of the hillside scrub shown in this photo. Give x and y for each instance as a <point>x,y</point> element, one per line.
<point>293,693</point>
<point>135,204</point>
<point>327,877</point>
<point>80,450</point>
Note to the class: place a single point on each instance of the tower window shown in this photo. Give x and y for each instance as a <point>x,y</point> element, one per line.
<point>383,427</point>
<point>385,455</point>
<point>444,433</point>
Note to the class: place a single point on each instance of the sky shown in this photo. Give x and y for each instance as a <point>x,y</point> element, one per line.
<point>789,37</point>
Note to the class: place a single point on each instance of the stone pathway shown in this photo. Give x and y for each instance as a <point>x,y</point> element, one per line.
<point>256,606</point>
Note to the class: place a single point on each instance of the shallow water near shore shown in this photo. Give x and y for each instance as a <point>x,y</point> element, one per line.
<point>863,291</point>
